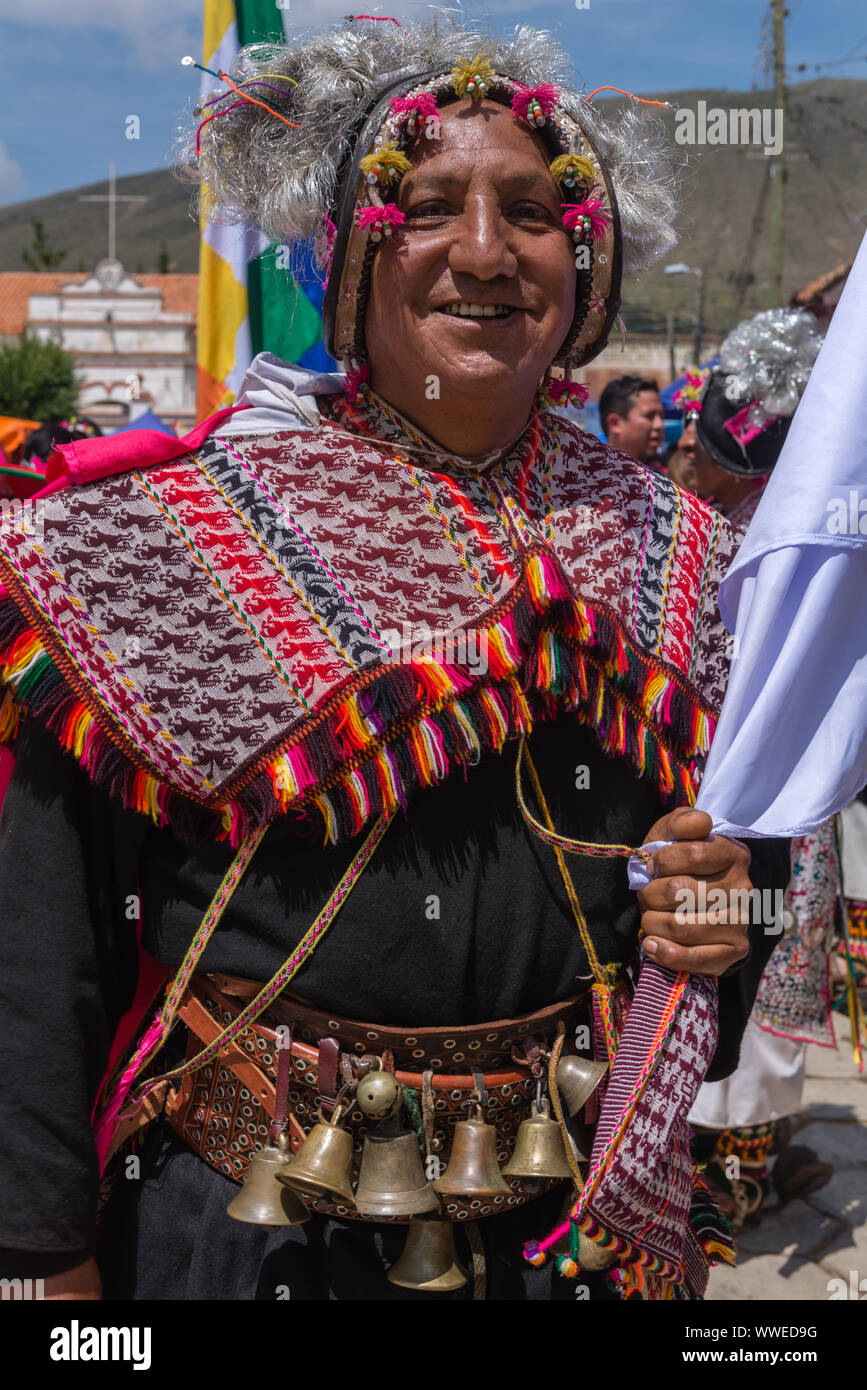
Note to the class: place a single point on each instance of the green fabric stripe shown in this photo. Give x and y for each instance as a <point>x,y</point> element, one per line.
<point>282,319</point>
<point>259,21</point>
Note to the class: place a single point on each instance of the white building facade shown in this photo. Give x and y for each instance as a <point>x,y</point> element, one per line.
<point>132,354</point>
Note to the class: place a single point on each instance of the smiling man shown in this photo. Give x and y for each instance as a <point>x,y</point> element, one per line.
<point>480,290</point>
<point>387,894</point>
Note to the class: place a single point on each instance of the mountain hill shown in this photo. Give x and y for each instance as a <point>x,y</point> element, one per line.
<point>723,220</point>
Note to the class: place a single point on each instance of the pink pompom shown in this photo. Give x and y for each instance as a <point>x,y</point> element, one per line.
<point>419,107</point>
<point>545,94</point>
<point>590,208</point>
<point>560,392</point>
<point>380,218</point>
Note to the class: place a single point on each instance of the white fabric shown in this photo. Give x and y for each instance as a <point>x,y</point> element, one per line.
<point>790,748</point>
<point>767,1084</point>
<point>854,846</point>
<point>281,397</point>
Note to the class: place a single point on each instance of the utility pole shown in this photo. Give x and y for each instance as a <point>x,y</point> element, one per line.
<point>699,316</point>
<point>778,171</point>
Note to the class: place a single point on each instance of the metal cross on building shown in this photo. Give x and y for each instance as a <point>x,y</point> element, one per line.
<point>112,198</point>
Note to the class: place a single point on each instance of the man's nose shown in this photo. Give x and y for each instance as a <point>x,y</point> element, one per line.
<point>482,242</point>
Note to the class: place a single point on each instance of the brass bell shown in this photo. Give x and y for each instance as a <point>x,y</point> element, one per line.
<point>539,1149</point>
<point>379,1095</point>
<point>429,1261</point>
<point>473,1170</point>
<point>392,1180</point>
<point>577,1079</point>
<point>322,1166</point>
<point>262,1200</point>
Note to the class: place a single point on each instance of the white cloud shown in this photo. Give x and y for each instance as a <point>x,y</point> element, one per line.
<point>154,29</point>
<point>11,178</point>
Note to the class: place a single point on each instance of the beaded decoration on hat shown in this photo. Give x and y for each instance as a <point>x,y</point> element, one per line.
<point>412,111</point>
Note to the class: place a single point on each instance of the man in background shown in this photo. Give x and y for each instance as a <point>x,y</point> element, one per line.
<point>630,412</point>
<point>736,495</point>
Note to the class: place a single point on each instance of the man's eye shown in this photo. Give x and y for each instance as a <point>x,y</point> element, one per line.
<point>431,209</point>
<point>533,210</point>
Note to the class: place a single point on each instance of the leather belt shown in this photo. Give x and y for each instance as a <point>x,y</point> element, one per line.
<point>224,1109</point>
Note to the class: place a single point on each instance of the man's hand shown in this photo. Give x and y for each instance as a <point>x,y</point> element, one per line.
<point>83,1282</point>
<point>675,934</point>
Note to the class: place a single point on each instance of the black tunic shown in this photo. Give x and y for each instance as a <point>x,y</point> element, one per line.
<point>461,917</point>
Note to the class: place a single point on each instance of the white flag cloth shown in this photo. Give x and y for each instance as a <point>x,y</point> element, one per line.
<point>790,748</point>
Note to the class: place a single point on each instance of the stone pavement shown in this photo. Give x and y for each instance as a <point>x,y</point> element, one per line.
<point>798,1249</point>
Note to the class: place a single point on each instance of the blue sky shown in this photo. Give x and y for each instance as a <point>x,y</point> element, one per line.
<point>76,69</point>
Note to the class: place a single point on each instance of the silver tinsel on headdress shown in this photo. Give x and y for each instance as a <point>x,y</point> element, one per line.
<point>256,169</point>
<point>768,360</point>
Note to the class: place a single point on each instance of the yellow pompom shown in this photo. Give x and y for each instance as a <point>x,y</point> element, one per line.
<point>583,168</point>
<point>464,72</point>
<point>389,162</point>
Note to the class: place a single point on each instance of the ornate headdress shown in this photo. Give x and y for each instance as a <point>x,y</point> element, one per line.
<point>689,397</point>
<point>322,148</point>
<point>750,398</point>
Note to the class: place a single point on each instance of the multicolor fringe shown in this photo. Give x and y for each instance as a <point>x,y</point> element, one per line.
<point>750,1144</point>
<point>390,728</point>
<point>632,1266</point>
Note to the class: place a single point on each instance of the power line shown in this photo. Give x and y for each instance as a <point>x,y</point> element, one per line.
<point>832,63</point>
<point>848,217</point>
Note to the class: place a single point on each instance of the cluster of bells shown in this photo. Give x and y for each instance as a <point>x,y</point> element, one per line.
<point>392,1179</point>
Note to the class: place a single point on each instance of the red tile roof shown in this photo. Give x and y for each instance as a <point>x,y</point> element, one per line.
<point>823,283</point>
<point>16,286</point>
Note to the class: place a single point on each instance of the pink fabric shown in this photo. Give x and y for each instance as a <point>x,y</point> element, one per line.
<point>742,431</point>
<point>7,764</point>
<point>85,460</point>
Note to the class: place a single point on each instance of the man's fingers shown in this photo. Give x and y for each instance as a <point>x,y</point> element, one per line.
<point>698,932</point>
<point>688,898</point>
<point>695,960</point>
<point>685,823</point>
<point>699,858</point>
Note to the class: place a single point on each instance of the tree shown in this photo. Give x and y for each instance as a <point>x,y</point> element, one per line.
<point>41,255</point>
<point>37,380</point>
<point>164,265</point>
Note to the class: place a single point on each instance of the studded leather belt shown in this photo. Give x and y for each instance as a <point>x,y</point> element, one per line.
<point>224,1109</point>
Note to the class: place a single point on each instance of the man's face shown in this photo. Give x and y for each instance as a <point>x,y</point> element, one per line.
<point>696,470</point>
<point>483,228</point>
<point>642,431</point>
